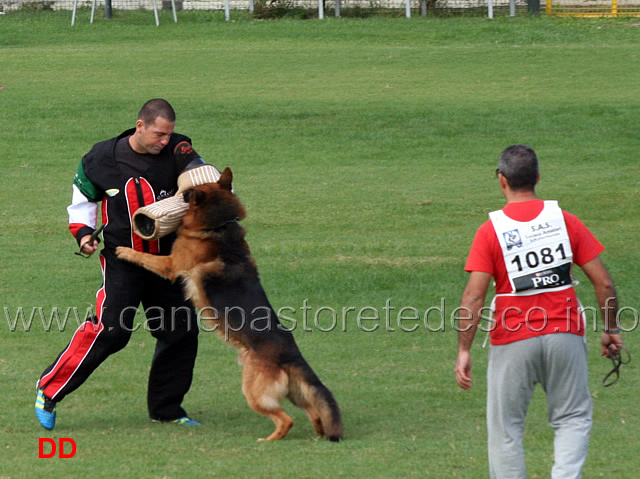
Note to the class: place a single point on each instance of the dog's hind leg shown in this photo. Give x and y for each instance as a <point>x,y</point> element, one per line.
<point>314,417</point>
<point>299,397</point>
<point>264,386</point>
<point>282,421</point>
<point>307,392</point>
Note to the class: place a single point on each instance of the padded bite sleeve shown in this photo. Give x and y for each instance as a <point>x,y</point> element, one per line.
<point>163,217</point>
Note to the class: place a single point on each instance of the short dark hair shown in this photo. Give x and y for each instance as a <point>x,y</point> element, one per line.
<point>155,108</point>
<point>519,165</point>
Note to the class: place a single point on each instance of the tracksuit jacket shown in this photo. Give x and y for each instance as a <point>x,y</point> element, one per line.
<point>100,179</point>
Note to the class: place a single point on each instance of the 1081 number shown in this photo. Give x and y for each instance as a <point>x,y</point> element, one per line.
<point>545,256</point>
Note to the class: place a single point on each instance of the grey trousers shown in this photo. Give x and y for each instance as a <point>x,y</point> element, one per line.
<point>559,363</point>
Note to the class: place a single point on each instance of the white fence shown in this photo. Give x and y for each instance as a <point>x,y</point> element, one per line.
<point>211,5</point>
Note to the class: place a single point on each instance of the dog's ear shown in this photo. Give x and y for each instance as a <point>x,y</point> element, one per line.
<point>225,179</point>
<point>194,195</point>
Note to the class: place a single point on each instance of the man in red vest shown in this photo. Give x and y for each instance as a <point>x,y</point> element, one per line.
<point>528,248</point>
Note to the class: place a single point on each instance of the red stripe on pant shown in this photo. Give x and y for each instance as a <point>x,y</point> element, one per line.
<point>81,343</point>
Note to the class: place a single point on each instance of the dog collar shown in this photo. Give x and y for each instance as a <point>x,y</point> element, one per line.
<point>222,226</point>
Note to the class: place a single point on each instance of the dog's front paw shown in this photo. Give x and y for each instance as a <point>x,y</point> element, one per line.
<point>125,253</point>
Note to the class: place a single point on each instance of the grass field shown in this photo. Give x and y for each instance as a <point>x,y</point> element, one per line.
<point>364,152</point>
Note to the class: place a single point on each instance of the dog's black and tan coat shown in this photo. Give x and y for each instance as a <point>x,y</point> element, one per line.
<point>213,260</point>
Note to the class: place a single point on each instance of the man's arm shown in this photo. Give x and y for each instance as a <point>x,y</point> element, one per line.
<point>83,217</point>
<point>186,156</point>
<point>83,211</point>
<point>468,321</point>
<point>607,301</point>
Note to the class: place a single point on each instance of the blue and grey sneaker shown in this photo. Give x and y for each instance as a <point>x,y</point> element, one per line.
<point>185,421</point>
<point>45,410</point>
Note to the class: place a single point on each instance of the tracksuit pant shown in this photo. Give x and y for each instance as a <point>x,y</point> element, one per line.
<point>559,363</point>
<point>170,319</point>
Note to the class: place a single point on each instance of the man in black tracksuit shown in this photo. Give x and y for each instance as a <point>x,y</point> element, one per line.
<point>137,168</point>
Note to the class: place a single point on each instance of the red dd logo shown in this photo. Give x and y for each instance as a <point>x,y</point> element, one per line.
<point>52,446</point>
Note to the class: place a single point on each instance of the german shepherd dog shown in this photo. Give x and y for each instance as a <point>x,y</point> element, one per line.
<point>219,275</point>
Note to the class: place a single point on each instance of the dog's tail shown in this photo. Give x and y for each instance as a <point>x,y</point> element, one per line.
<point>308,392</point>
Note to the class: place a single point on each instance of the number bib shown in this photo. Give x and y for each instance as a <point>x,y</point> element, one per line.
<point>537,253</point>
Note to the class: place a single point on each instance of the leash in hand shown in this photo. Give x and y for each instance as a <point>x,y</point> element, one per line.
<point>92,238</point>
<point>618,359</point>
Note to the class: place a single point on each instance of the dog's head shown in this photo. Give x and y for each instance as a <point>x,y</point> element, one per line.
<point>213,205</point>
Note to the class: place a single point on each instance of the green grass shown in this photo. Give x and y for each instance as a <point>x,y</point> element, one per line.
<point>364,152</point>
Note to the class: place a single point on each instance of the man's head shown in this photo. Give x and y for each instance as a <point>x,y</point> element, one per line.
<point>519,165</point>
<point>155,124</point>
